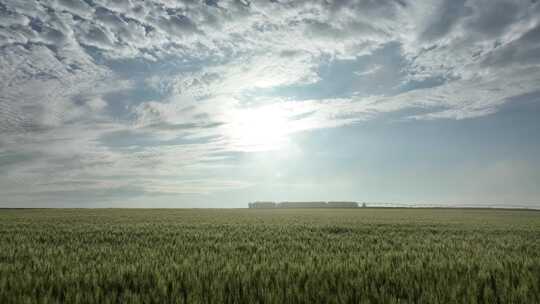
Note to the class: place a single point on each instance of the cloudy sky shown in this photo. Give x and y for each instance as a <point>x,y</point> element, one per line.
<point>216,103</point>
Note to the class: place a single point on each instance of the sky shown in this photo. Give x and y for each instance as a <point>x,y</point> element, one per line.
<point>219,103</point>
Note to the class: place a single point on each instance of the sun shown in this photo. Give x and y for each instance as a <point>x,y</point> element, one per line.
<point>259,129</point>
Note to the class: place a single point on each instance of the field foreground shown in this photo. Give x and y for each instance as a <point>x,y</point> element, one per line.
<point>270,256</point>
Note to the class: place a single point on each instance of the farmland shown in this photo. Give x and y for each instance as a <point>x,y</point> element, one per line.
<point>364,255</point>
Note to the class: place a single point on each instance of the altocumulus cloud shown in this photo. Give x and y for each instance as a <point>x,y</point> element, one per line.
<point>126,98</point>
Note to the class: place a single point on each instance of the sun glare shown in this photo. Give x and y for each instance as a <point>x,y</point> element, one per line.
<point>259,129</point>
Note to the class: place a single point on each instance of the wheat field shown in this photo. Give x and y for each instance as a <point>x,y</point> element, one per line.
<point>364,255</point>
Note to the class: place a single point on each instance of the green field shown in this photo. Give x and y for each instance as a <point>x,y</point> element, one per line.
<point>363,255</point>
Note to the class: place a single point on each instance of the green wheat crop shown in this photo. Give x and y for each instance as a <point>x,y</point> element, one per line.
<point>359,255</point>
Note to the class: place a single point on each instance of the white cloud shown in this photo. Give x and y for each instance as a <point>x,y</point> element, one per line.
<point>369,71</point>
<point>212,68</point>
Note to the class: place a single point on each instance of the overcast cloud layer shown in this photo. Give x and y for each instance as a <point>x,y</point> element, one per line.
<point>105,100</point>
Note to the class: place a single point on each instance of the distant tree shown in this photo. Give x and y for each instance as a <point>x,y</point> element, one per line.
<point>364,205</point>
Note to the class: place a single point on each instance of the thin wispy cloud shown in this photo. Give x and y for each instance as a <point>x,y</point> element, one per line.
<point>158,95</point>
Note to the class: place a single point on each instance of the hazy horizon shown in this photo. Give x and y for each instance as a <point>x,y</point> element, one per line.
<point>219,103</point>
